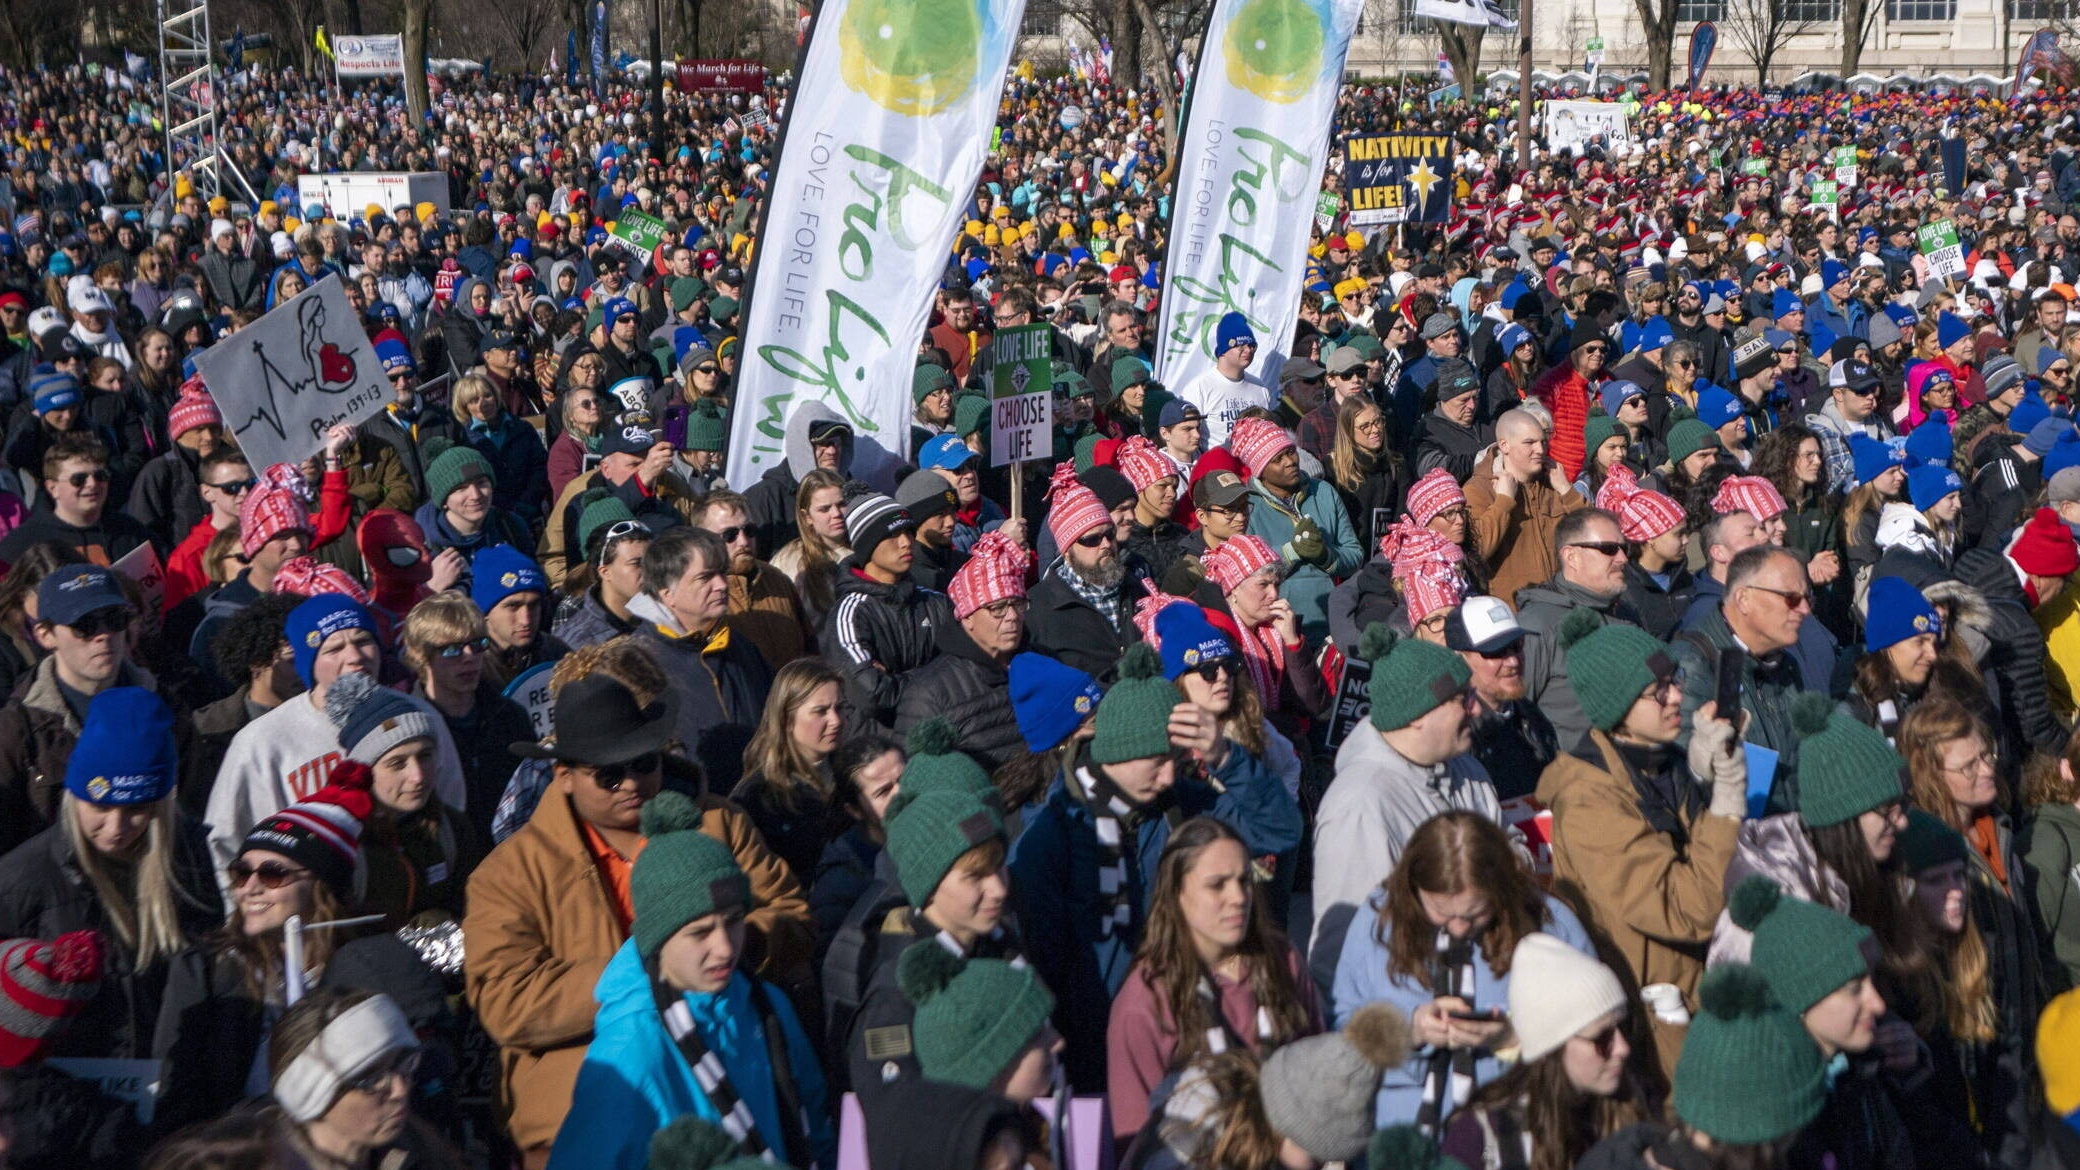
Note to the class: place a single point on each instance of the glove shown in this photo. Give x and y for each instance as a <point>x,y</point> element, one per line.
<point>1716,759</point>
<point>1308,544</point>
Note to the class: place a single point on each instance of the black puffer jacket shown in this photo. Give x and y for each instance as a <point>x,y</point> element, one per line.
<point>968,687</point>
<point>44,893</point>
<point>165,499</point>
<point>2016,658</point>
<point>1858,1129</point>
<point>876,634</point>
<point>721,684</point>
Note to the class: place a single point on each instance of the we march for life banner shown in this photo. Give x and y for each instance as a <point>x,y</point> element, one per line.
<point>369,56</point>
<point>1255,139</point>
<point>880,152</point>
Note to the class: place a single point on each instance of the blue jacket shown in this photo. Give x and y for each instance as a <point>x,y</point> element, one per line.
<point>1307,586</point>
<point>635,1081</point>
<point>1054,883</point>
<point>1361,978</point>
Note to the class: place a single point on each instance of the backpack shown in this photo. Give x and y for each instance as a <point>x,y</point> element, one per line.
<point>848,967</point>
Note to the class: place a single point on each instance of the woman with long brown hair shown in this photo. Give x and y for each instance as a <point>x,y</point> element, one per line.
<point>811,559</point>
<point>1440,947</point>
<point>1213,973</point>
<point>787,784</point>
<point>1364,467</point>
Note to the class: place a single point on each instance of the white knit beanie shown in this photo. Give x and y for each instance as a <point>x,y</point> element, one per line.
<point>1554,992</point>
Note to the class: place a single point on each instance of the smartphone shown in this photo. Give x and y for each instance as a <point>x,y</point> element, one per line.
<point>1733,662</point>
<point>1477,1016</point>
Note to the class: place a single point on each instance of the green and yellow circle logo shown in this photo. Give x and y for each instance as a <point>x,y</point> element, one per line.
<point>1274,48</point>
<point>908,57</point>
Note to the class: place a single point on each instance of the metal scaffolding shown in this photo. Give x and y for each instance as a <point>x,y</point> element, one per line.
<point>188,95</point>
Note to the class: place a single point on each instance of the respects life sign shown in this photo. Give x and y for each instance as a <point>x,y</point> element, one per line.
<point>1574,125</point>
<point>381,56</point>
<point>286,379</point>
<point>881,149</point>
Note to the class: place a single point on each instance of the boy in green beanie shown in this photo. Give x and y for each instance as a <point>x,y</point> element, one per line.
<point>1409,763</point>
<point>1083,871</point>
<point>981,1023</point>
<point>680,1029</point>
<point>1750,1075</point>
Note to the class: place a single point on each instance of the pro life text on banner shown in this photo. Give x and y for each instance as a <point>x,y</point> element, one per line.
<point>1255,141</point>
<point>1570,126</point>
<point>1021,395</point>
<point>1937,241</point>
<point>369,56</point>
<point>1399,178</point>
<point>637,233</point>
<point>724,76</point>
<point>1479,12</point>
<point>286,379</point>
<point>879,155</point>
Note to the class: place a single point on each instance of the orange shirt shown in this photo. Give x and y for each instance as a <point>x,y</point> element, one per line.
<point>1986,839</point>
<point>614,870</point>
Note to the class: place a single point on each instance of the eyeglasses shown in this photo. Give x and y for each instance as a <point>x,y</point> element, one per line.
<point>113,620</point>
<point>1101,537</point>
<point>729,535</point>
<point>1791,599</point>
<point>1213,669</point>
<point>453,650</point>
<point>235,487</point>
<point>374,1080</point>
<point>1006,607</point>
<point>1984,761</point>
<point>273,875</point>
<point>80,479</point>
<point>611,776</point>
<point>1609,548</point>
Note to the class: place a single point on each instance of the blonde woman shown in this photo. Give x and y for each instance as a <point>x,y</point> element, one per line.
<point>119,860</point>
<point>519,462</point>
<point>811,559</point>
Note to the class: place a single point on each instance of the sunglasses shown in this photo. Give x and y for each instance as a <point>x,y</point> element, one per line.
<point>1793,600</point>
<point>611,776</point>
<point>454,650</point>
<point>1603,1041</point>
<point>80,479</point>
<point>113,620</point>
<point>1684,364</point>
<point>236,487</point>
<point>729,535</point>
<point>1101,537</point>
<point>1609,548</point>
<point>705,370</point>
<point>1211,671</point>
<point>273,875</point>
<point>373,1081</point>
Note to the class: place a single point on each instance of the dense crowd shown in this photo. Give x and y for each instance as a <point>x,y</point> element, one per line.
<point>1606,699</point>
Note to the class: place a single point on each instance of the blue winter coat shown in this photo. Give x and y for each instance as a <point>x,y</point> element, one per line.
<point>1361,978</point>
<point>1307,587</point>
<point>519,465</point>
<point>1054,882</point>
<point>634,1080</point>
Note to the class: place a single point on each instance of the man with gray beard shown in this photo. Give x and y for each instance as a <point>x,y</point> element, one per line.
<point>1083,608</point>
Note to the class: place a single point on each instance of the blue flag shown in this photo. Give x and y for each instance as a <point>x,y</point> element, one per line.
<point>599,47</point>
<point>570,58</point>
<point>1703,39</point>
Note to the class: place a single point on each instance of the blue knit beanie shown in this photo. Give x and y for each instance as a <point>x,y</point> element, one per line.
<point>2064,453</point>
<point>125,754</point>
<point>1784,303</point>
<point>1050,699</point>
<point>2046,434</point>
<point>1617,392</point>
<point>1232,331</point>
<point>319,618</point>
<point>1930,442</point>
<point>1929,483</point>
<point>395,355</point>
<point>2030,411</point>
<point>52,389</point>
<point>501,571</point>
<point>1717,406</point>
<point>1950,329</point>
<point>1188,639</point>
<point>1898,611</point>
<point>1873,458</point>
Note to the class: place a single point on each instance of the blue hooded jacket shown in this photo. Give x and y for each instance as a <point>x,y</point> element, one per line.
<point>635,1081</point>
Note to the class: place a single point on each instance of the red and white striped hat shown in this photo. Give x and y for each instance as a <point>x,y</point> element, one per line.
<point>1142,463</point>
<point>1752,494</point>
<point>42,985</point>
<point>1427,592</point>
<point>1145,612</point>
<point>996,570</point>
<point>1075,509</point>
<point>308,577</point>
<point>266,513</point>
<point>1237,560</point>
<point>1257,441</point>
<point>194,408</point>
<point>1618,485</point>
<point>1646,514</point>
<point>1433,493</point>
<point>322,833</point>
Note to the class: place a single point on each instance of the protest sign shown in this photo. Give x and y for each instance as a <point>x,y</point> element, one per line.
<point>1845,165</point>
<point>1572,126</point>
<point>1249,164</point>
<point>1399,178</point>
<point>637,233</point>
<point>723,76</point>
<point>1938,243</point>
<point>1326,205</point>
<point>134,1081</point>
<point>1827,197</point>
<point>381,56</point>
<point>887,129</point>
<point>289,377</point>
<point>142,566</point>
<point>1021,390</point>
<point>530,689</point>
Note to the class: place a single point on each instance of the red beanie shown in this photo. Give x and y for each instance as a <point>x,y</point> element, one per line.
<point>2044,547</point>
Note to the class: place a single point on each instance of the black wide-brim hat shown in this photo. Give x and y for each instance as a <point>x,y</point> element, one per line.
<point>598,722</point>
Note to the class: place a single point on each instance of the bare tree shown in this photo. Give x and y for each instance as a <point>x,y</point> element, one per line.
<point>1462,47</point>
<point>1763,28</point>
<point>418,17</point>
<point>1859,20</point>
<point>1657,20</point>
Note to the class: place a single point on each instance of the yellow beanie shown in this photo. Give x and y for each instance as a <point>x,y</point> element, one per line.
<point>2058,1052</point>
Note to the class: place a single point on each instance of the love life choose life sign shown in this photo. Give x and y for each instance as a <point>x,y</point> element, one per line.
<point>1021,394</point>
<point>289,377</point>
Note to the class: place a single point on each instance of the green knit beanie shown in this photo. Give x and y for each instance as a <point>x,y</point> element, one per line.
<point>1611,665</point>
<point>1687,438</point>
<point>691,1143</point>
<point>927,834</point>
<point>1085,452</point>
<point>1845,769</point>
<point>722,308</point>
<point>1127,370</point>
<point>707,426</point>
<point>970,414</point>
<point>451,469</point>
<point>1134,716</point>
<point>684,291</point>
<point>1598,428</point>
<point>974,1016</point>
<point>1805,950</point>
<point>1750,1072</point>
<point>936,763</point>
<point>1410,677</point>
<point>682,874</point>
<point>1928,843</point>
<point>1404,1147</point>
<point>928,376</point>
<point>603,512</point>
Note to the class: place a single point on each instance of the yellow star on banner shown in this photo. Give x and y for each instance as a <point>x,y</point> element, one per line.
<point>1422,178</point>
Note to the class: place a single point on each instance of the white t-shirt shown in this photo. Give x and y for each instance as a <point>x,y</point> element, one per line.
<point>1222,400</point>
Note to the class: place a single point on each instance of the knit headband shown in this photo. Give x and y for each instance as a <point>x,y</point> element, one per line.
<point>348,1047</point>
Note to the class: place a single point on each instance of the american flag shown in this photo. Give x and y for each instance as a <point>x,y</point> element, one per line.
<point>28,222</point>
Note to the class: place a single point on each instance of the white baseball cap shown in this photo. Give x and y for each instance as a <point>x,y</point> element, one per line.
<point>1482,625</point>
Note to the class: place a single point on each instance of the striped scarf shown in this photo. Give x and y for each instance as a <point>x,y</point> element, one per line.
<point>1115,820</point>
<point>1264,653</point>
<point>1450,1072</point>
<point>709,1071</point>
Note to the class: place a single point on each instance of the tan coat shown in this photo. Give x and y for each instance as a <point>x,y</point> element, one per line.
<point>556,560</point>
<point>1515,536</point>
<point>1649,906</point>
<point>541,928</point>
<point>765,611</point>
